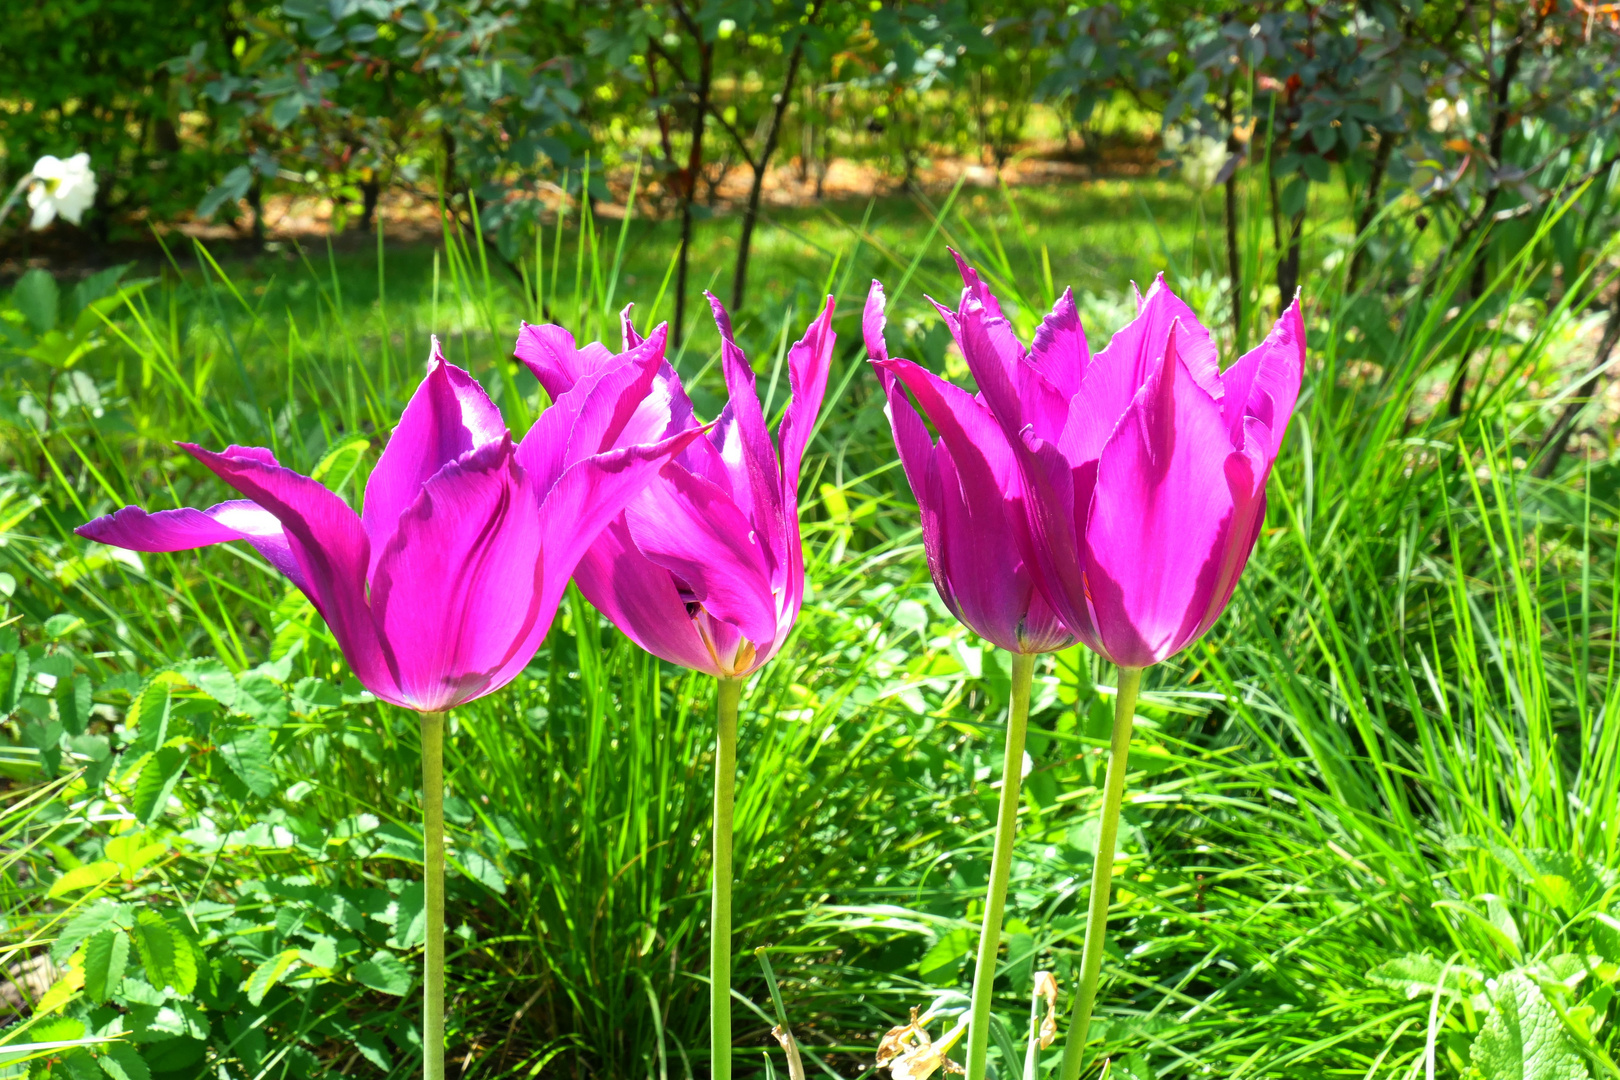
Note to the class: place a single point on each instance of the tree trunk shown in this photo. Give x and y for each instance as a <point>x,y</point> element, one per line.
<point>371,194</point>
<point>255,201</point>
<point>1288,268</point>
<point>694,165</point>
<point>739,282</point>
<point>1369,207</point>
<point>1477,281</point>
<point>1234,264</point>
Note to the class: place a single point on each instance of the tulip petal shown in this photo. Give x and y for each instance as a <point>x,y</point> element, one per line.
<point>458,590</point>
<point>328,543</point>
<point>874,321</point>
<point>991,589</point>
<point>1160,517</point>
<point>1059,351</point>
<point>549,351</point>
<point>745,444</point>
<point>585,420</point>
<point>448,415</point>
<point>591,493</point>
<point>184,529</point>
<point>627,328</point>
<point>809,361</point>
<point>973,287</point>
<point>1131,357</point>
<point>639,597</point>
<point>1264,383</point>
<point>694,530</point>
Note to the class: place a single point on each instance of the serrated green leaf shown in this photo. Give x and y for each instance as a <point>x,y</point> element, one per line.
<point>212,678</point>
<point>262,699</point>
<point>105,957</point>
<point>73,703</point>
<point>165,953</point>
<point>248,756</point>
<point>149,713</point>
<point>267,974</point>
<point>158,777</point>
<point>92,920</point>
<point>1523,1039</point>
<point>385,973</point>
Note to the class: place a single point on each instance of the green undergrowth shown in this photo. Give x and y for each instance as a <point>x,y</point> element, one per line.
<point>1371,825</point>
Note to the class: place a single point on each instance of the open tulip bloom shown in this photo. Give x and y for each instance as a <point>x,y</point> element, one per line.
<point>1133,483</point>
<point>705,568</point>
<point>441,589</point>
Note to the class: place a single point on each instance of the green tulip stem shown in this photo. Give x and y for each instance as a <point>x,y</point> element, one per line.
<point>1102,872</point>
<point>995,900</point>
<point>433,887</point>
<point>725,781</point>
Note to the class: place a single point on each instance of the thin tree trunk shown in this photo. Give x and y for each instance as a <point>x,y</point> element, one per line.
<point>1553,445</point>
<point>1477,281</point>
<point>1234,264</point>
<point>694,165</point>
<point>739,282</point>
<point>1288,268</point>
<point>1369,206</point>
<point>370,194</point>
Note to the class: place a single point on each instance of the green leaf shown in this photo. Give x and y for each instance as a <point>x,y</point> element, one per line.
<point>262,699</point>
<point>13,691</point>
<point>311,694</point>
<point>165,953</point>
<point>212,678</point>
<point>385,973</point>
<point>123,1062</point>
<point>36,296</point>
<point>267,974</point>
<point>248,755</point>
<point>939,964</point>
<point>1523,1039</point>
<point>158,777</point>
<point>83,877</point>
<point>73,704</point>
<point>92,920</point>
<point>149,714</point>
<point>104,960</point>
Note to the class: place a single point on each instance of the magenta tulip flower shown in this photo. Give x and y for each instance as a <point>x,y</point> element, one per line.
<point>1132,485</point>
<point>1142,470</point>
<point>441,589</point>
<point>705,567</point>
<point>968,491</point>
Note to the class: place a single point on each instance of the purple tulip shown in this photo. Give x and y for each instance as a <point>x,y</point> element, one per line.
<point>967,489</point>
<point>704,568</point>
<point>1135,478</point>
<point>441,590</point>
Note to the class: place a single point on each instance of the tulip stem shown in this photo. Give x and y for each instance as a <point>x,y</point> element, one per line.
<point>725,779</point>
<point>1102,872</point>
<point>433,887</point>
<point>995,900</point>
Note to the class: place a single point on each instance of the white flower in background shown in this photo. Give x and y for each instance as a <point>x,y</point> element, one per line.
<point>61,187</point>
<point>1443,114</point>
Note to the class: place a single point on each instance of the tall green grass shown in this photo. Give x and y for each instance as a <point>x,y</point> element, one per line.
<point>1384,781</point>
